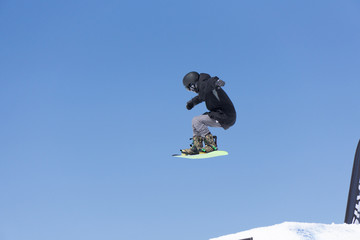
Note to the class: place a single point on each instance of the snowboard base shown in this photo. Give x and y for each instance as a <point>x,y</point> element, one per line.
<point>202,155</point>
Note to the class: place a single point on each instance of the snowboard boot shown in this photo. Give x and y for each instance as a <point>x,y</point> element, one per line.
<point>196,146</point>
<point>210,143</point>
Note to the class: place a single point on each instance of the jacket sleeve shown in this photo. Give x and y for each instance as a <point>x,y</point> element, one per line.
<point>196,100</point>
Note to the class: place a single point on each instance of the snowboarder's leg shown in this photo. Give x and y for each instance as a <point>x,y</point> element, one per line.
<point>201,133</point>
<point>201,123</point>
<point>200,126</point>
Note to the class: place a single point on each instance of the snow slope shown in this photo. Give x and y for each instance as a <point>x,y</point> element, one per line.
<point>299,231</point>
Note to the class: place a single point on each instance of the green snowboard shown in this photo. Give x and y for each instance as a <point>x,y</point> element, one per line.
<point>202,155</point>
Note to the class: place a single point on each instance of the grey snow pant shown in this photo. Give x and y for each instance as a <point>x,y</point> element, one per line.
<point>201,123</point>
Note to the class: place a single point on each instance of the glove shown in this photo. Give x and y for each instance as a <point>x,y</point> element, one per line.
<point>189,105</point>
<point>219,83</point>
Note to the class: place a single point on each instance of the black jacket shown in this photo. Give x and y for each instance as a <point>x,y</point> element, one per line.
<point>217,101</point>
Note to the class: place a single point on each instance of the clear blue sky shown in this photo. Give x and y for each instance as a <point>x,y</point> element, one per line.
<point>92,107</point>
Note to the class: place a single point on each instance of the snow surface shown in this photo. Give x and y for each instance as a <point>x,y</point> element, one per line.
<point>299,231</point>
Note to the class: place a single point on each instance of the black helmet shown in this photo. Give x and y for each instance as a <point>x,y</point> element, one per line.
<point>190,79</point>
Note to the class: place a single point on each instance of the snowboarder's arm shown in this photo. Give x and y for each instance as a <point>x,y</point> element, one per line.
<point>190,104</point>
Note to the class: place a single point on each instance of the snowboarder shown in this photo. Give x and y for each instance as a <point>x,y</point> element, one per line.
<point>222,112</point>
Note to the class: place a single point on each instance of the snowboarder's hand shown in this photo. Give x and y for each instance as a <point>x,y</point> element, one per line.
<point>189,105</point>
<point>220,83</point>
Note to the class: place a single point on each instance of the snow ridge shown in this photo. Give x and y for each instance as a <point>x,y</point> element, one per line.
<point>299,231</point>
